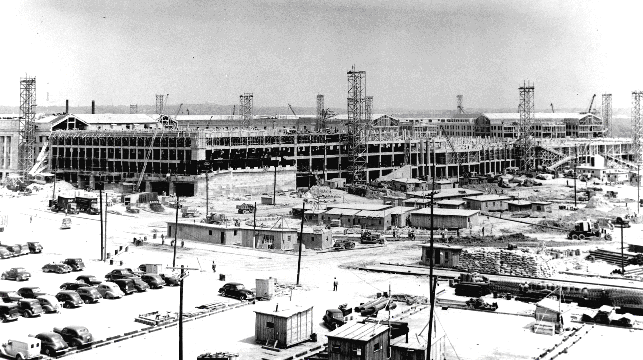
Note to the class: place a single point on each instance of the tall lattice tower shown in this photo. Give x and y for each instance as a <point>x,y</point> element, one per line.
<point>460,107</point>
<point>368,113</point>
<point>637,127</point>
<point>133,109</point>
<point>245,109</point>
<point>606,110</point>
<point>356,126</point>
<point>159,104</point>
<point>320,112</point>
<point>525,140</point>
<point>27,124</point>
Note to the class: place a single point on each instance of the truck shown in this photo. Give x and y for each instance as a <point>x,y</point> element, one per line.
<point>189,211</point>
<point>214,218</point>
<point>245,208</point>
<point>26,348</point>
<point>64,203</point>
<point>151,268</point>
<point>87,205</point>
<point>586,228</point>
<point>369,237</point>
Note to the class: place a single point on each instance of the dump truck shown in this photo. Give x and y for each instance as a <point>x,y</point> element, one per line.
<point>245,208</point>
<point>189,211</point>
<point>585,228</point>
<point>64,203</point>
<point>87,204</point>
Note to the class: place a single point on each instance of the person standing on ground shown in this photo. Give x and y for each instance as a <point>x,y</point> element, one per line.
<point>214,267</point>
<point>334,284</point>
<point>162,239</point>
<point>182,244</point>
<point>30,219</point>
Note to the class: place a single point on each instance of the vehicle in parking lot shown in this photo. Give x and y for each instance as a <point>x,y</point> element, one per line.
<point>9,296</point>
<point>89,294</point>
<point>126,285</point>
<point>89,279</point>
<point>49,304</point>
<point>29,308</point>
<point>119,274</point>
<point>110,291</point>
<point>13,249</point>
<point>30,292</point>
<point>5,254</point>
<point>139,284</point>
<point>34,247</point>
<point>76,264</point>
<point>72,285</point>
<point>75,335</point>
<point>236,290</point>
<point>56,268</point>
<point>51,344</point>
<point>153,280</point>
<point>17,274</point>
<point>9,312</point>
<point>69,299</point>
<point>24,249</point>
<point>27,348</point>
<point>170,280</point>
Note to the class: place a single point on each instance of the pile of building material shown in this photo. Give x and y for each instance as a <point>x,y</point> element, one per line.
<point>508,262</point>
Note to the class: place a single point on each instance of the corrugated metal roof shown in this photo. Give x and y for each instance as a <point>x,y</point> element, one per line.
<point>489,197</point>
<point>385,212</point>
<point>450,202</point>
<point>358,331</point>
<point>445,212</point>
<point>519,202</point>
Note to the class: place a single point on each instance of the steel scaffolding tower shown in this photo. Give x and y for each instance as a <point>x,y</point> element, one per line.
<point>159,104</point>
<point>525,140</point>
<point>356,126</point>
<point>133,109</point>
<point>460,107</point>
<point>606,110</point>
<point>637,127</point>
<point>245,109</point>
<point>27,124</point>
<point>368,112</point>
<point>320,111</point>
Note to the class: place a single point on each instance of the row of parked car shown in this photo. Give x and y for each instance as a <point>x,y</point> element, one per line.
<point>51,343</point>
<point>9,251</point>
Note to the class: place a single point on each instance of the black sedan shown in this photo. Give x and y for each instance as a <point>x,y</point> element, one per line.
<point>236,290</point>
<point>56,268</point>
<point>89,279</point>
<point>153,280</point>
<point>9,296</point>
<point>72,286</point>
<point>170,280</point>
<point>30,292</point>
<point>51,343</point>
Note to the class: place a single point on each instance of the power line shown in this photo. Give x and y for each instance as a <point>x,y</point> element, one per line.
<point>447,336</point>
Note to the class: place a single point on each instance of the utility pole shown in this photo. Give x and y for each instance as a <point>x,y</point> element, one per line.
<point>432,280</point>
<point>207,195</point>
<point>254,226</point>
<point>176,228</point>
<point>575,175</point>
<point>181,278</point>
<point>274,188</point>
<point>102,246</point>
<point>301,239</point>
<point>638,188</point>
<point>54,193</point>
<point>105,241</point>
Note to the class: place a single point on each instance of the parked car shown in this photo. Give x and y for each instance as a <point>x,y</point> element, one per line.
<point>17,274</point>
<point>5,254</point>
<point>9,296</point>
<point>89,294</point>
<point>29,308</point>
<point>30,292</point>
<point>9,312</point>
<point>51,344</point>
<point>76,264</point>
<point>26,348</point>
<point>56,268</point>
<point>88,279</point>
<point>153,280</point>
<point>236,290</point>
<point>126,285</point>
<point>110,291</point>
<point>69,299</point>
<point>49,304</point>
<point>139,284</point>
<point>119,274</point>
<point>75,336</point>
<point>170,280</point>
<point>34,247</point>
<point>72,285</point>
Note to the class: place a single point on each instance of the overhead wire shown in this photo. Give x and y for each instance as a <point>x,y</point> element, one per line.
<point>447,336</point>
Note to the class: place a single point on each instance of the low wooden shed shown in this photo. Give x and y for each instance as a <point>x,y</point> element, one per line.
<point>444,255</point>
<point>415,348</point>
<point>359,341</point>
<point>283,328</point>
<point>518,205</point>
<point>444,218</point>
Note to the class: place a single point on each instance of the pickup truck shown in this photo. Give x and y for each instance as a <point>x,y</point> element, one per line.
<point>334,318</point>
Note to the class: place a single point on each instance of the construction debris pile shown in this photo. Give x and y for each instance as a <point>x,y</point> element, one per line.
<point>508,262</point>
<point>410,299</point>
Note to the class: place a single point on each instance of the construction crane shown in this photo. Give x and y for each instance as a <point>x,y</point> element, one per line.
<point>552,107</point>
<point>293,112</point>
<point>148,153</point>
<point>589,111</point>
<point>325,115</point>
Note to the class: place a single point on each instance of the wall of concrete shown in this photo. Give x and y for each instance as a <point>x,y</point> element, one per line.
<point>246,181</point>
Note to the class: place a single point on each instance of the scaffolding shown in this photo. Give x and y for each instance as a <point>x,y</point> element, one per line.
<point>133,109</point>
<point>356,126</point>
<point>606,110</point>
<point>320,112</point>
<point>637,127</point>
<point>245,109</point>
<point>159,104</point>
<point>27,124</point>
<point>460,106</point>
<point>525,140</point>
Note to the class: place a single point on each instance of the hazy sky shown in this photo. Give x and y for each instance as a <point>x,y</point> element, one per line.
<point>416,54</point>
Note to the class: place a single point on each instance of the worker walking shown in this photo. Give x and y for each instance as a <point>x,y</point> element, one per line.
<point>334,284</point>
<point>214,267</point>
<point>182,243</point>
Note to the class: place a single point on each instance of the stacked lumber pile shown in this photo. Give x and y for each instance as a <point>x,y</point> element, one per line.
<point>507,262</point>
